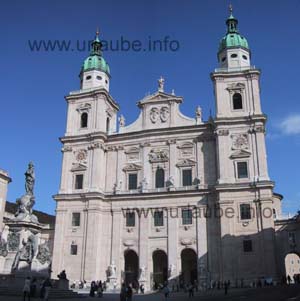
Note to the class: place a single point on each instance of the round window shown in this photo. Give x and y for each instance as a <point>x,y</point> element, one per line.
<point>99,77</point>
<point>88,77</point>
<point>234,55</point>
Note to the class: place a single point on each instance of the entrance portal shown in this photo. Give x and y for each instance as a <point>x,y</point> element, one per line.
<point>292,265</point>
<point>188,266</point>
<point>160,267</point>
<point>131,268</point>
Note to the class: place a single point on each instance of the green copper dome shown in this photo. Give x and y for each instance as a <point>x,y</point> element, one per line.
<point>233,38</point>
<point>95,60</point>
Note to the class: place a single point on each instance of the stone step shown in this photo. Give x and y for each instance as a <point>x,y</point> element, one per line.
<point>54,293</point>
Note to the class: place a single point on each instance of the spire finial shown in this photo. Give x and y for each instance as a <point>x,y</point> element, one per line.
<point>230,8</point>
<point>97,32</point>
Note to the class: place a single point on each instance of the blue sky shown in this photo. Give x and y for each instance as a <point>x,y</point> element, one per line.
<point>33,84</point>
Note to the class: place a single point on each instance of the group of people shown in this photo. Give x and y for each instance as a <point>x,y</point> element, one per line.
<point>97,288</point>
<point>289,280</point>
<point>32,286</point>
<point>126,292</point>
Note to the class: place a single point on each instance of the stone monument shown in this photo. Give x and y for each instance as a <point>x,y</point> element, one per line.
<point>22,251</point>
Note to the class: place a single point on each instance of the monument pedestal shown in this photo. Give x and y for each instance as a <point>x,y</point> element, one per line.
<point>112,284</point>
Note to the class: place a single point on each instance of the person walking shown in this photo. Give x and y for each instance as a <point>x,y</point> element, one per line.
<point>26,289</point>
<point>166,291</point>
<point>47,287</point>
<point>123,292</point>
<point>191,291</point>
<point>129,293</point>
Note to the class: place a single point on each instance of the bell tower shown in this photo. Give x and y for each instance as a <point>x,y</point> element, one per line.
<point>240,123</point>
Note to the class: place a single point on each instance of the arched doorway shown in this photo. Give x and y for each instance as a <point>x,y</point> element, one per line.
<point>131,267</point>
<point>160,267</point>
<point>188,266</point>
<point>292,264</point>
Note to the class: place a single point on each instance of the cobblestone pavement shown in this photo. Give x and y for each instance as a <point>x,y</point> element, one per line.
<point>282,293</point>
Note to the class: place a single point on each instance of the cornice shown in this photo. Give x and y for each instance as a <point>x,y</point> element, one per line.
<point>92,93</point>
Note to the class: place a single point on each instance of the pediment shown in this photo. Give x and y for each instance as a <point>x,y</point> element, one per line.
<point>186,162</point>
<point>186,145</point>
<point>240,154</point>
<point>132,167</point>
<point>236,86</point>
<point>159,97</point>
<point>132,150</point>
<point>78,167</point>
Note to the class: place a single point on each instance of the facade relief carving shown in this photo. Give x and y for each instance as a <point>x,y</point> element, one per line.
<point>164,114</point>
<point>158,155</point>
<point>154,115</point>
<point>3,248</point>
<point>239,141</point>
<point>44,254</point>
<point>13,240</point>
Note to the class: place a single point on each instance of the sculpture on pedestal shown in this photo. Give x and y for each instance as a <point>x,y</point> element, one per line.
<point>27,201</point>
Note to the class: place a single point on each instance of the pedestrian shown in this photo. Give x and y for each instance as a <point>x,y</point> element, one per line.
<point>226,287</point>
<point>26,289</point>
<point>33,287</point>
<point>191,291</point>
<point>123,292</point>
<point>92,289</point>
<point>142,288</point>
<point>129,293</point>
<point>47,287</point>
<point>166,291</point>
<point>100,289</point>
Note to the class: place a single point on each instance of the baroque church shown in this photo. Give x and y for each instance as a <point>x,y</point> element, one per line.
<point>121,185</point>
<point>169,197</point>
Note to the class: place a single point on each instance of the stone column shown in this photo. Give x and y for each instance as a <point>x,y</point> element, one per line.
<point>201,224</point>
<point>143,252</point>
<point>117,220</point>
<point>173,248</point>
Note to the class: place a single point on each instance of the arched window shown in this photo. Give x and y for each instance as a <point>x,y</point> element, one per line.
<point>159,178</point>
<point>107,124</point>
<point>237,101</point>
<point>84,120</point>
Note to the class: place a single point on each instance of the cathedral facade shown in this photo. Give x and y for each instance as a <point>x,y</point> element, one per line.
<point>168,197</point>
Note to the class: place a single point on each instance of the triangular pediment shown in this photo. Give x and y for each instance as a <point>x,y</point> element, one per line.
<point>159,97</point>
<point>132,167</point>
<point>78,167</point>
<point>240,154</point>
<point>186,162</point>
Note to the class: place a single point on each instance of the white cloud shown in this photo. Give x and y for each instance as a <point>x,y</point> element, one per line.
<point>290,125</point>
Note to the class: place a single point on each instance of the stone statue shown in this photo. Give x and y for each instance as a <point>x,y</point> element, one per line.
<point>27,201</point>
<point>24,211</point>
<point>164,114</point>
<point>142,273</point>
<point>44,254</point>
<point>117,187</point>
<point>143,185</point>
<point>170,182</point>
<point>161,83</point>
<point>121,121</point>
<point>26,253</point>
<point>112,270</point>
<point>29,179</point>
<point>171,270</point>
<point>199,112</point>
